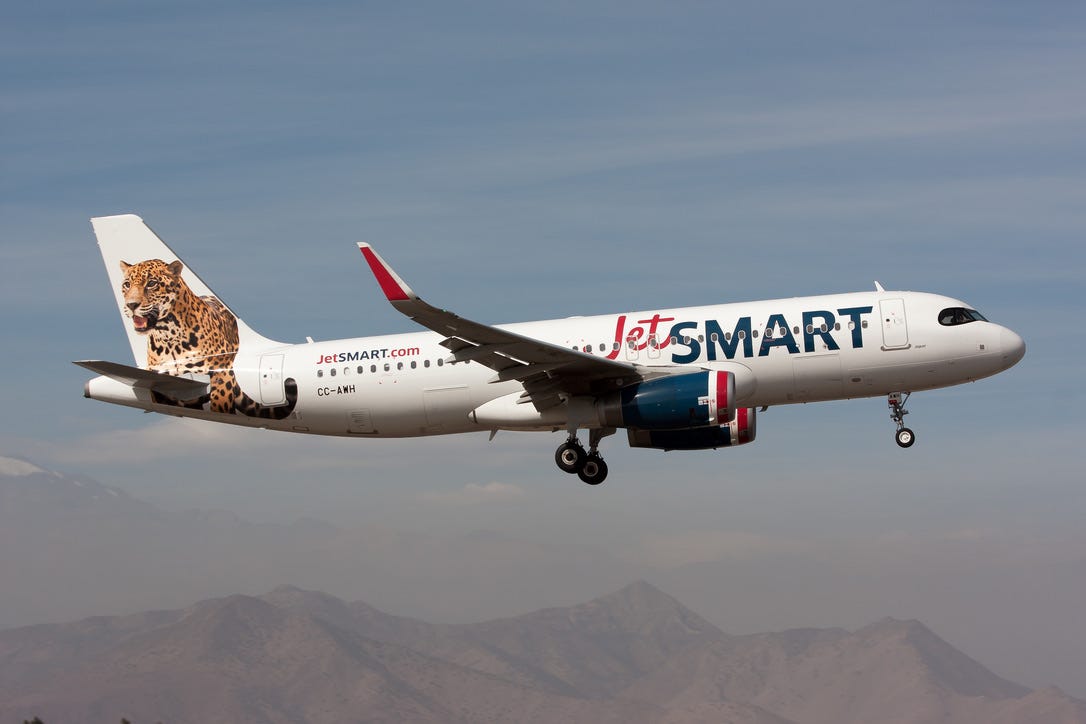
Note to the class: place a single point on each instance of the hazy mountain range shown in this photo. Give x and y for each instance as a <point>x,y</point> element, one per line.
<point>70,544</point>
<point>633,656</point>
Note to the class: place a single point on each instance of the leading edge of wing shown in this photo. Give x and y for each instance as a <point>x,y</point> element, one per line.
<point>497,348</point>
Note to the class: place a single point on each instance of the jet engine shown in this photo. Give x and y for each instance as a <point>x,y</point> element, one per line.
<point>740,430</point>
<point>676,402</point>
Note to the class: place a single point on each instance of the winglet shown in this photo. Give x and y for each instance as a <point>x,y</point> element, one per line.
<point>392,285</point>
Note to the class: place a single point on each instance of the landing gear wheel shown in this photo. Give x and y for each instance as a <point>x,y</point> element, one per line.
<point>594,470</point>
<point>904,436</point>
<point>570,457</point>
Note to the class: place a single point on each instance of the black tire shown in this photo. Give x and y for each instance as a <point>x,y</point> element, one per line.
<point>594,470</point>
<point>905,437</point>
<point>570,457</point>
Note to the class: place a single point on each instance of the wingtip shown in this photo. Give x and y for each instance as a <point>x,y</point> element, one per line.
<point>395,288</point>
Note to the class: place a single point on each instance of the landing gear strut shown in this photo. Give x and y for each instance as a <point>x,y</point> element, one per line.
<point>571,457</point>
<point>904,436</point>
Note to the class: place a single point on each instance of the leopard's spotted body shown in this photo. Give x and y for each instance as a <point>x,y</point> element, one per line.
<point>189,333</point>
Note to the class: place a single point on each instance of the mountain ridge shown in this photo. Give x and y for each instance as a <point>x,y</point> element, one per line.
<point>634,655</point>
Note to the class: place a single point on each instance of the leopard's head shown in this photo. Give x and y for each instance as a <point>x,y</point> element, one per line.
<point>150,289</point>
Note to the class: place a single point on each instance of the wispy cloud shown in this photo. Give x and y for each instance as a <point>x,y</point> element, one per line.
<point>475,494</point>
<point>704,546</point>
<point>693,131</point>
<point>161,440</point>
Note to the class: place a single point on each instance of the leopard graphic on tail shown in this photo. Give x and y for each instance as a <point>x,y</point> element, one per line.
<point>190,333</point>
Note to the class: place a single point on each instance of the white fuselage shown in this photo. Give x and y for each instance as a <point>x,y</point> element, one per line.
<point>830,347</point>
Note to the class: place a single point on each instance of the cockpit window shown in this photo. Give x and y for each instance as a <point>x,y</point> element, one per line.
<point>959,315</point>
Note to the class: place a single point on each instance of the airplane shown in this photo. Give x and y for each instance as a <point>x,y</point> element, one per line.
<point>688,378</point>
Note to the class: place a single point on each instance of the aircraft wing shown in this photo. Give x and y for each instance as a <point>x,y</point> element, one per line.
<point>546,370</point>
<point>180,388</point>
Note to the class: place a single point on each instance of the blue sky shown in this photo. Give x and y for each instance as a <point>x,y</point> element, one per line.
<point>533,161</point>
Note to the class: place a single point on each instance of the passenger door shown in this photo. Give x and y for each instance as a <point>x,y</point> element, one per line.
<point>272,391</point>
<point>895,331</point>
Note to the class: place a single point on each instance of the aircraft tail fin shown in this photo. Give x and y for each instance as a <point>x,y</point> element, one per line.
<point>126,242</point>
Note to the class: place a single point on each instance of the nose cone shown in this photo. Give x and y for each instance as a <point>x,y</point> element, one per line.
<point>1012,347</point>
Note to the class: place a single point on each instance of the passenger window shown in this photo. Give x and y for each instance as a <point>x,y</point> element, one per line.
<point>810,329</point>
<point>426,363</point>
<point>361,369</point>
<point>399,365</point>
<point>332,372</point>
<point>414,364</point>
<point>440,362</point>
<point>713,337</point>
<point>387,367</point>
<point>373,368</point>
<point>320,373</point>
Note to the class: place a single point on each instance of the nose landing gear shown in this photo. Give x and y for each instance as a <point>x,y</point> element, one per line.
<point>571,457</point>
<point>904,436</point>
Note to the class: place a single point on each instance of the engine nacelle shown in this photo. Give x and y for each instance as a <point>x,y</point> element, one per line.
<point>677,402</point>
<point>739,431</point>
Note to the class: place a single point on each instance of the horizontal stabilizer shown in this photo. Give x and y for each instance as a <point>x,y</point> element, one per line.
<point>180,388</point>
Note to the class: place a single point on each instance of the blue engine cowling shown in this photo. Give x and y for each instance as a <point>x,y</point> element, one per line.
<point>740,430</point>
<point>678,402</point>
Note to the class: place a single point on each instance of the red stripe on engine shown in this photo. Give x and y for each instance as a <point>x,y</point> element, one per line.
<point>389,285</point>
<point>722,397</point>
<point>741,425</point>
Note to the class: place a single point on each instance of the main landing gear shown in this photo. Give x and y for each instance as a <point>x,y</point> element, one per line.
<point>571,457</point>
<point>904,436</point>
